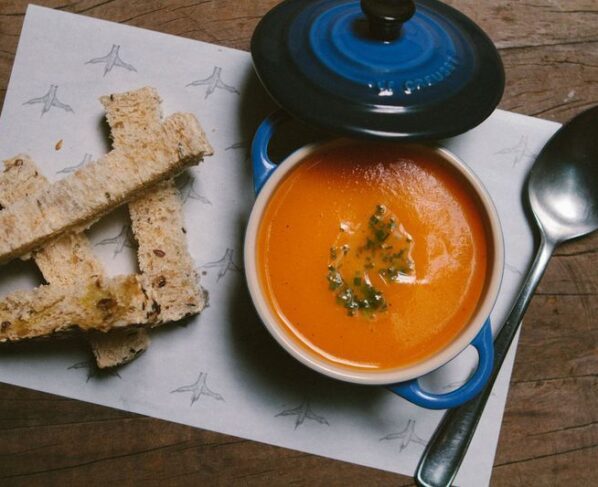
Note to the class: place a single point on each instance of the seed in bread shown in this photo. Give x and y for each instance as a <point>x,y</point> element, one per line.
<point>167,269</point>
<point>68,261</point>
<point>95,189</point>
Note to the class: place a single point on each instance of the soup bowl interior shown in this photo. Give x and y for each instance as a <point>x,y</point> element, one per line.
<point>418,368</point>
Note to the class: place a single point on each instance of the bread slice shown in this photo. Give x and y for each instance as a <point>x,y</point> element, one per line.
<point>118,347</point>
<point>102,304</point>
<point>67,261</point>
<point>81,198</point>
<point>167,270</point>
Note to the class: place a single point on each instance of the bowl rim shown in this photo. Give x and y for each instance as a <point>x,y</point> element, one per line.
<point>363,376</point>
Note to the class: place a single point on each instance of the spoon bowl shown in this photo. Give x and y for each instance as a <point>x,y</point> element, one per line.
<point>562,185</point>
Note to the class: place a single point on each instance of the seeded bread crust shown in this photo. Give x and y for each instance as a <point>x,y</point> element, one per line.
<point>94,190</point>
<point>167,269</point>
<point>67,261</point>
<point>103,305</point>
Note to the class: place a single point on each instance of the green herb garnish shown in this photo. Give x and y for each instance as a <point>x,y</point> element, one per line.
<point>385,253</point>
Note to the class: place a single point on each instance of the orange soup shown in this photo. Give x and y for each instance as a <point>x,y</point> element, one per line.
<point>373,256</point>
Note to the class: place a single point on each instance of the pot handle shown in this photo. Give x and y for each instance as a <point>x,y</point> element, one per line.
<point>263,167</point>
<point>411,390</point>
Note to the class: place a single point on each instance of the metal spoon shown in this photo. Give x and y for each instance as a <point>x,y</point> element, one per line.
<point>563,194</point>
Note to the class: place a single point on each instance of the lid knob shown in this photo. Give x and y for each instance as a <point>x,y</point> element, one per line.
<point>387,16</point>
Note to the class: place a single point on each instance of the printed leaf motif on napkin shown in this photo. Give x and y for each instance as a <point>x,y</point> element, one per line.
<point>49,101</point>
<point>238,145</point>
<point>214,82</point>
<point>93,370</point>
<point>186,186</point>
<point>519,151</point>
<point>407,436</point>
<point>199,388</point>
<point>111,60</point>
<point>124,239</point>
<point>224,265</point>
<point>69,169</point>
<point>303,412</point>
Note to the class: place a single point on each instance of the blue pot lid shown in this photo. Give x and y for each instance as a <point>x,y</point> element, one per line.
<point>329,66</point>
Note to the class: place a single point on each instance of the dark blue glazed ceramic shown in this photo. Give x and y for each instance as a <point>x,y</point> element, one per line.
<point>320,62</point>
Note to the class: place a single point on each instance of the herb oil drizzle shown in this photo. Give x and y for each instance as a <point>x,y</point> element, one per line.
<point>383,249</point>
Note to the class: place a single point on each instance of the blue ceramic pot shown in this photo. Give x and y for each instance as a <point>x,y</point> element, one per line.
<point>403,381</point>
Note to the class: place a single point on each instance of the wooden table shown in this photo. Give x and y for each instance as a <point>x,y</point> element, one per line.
<point>550,430</point>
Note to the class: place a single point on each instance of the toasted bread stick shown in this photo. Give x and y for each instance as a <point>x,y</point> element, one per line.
<point>167,270</point>
<point>103,305</point>
<point>68,261</point>
<point>75,202</point>
<point>94,190</point>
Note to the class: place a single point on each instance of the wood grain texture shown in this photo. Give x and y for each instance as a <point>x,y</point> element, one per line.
<point>550,431</point>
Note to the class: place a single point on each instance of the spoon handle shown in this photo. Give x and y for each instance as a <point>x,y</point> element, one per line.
<point>445,451</point>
